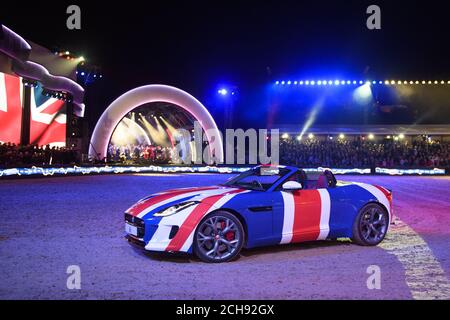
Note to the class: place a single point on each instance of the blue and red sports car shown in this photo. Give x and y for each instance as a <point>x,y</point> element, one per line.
<point>263,206</point>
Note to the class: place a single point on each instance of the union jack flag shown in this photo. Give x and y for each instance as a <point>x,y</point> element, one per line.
<point>48,119</point>
<point>10,108</point>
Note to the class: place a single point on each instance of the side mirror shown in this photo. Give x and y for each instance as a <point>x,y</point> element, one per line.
<point>292,185</point>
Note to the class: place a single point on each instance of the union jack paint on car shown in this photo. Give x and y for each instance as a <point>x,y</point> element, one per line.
<point>264,206</point>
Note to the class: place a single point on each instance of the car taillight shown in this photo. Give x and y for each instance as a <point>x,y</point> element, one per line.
<point>390,197</point>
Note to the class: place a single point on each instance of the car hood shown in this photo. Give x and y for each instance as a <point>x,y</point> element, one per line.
<point>159,201</point>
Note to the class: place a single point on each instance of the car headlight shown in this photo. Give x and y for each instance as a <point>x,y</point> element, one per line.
<point>175,208</point>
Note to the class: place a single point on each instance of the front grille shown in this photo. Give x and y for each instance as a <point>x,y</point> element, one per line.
<point>137,222</point>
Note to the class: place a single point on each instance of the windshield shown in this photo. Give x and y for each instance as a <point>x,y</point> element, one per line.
<point>258,179</point>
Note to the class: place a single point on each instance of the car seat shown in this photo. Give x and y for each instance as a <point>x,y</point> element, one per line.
<point>326,180</point>
<point>322,181</point>
<point>331,178</point>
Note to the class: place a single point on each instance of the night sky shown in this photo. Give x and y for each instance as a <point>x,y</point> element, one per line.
<point>200,46</point>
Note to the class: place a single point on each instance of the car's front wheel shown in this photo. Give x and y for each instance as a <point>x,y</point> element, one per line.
<point>371,225</point>
<point>219,237</point>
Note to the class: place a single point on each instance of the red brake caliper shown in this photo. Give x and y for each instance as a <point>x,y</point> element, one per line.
<point>229,235</point>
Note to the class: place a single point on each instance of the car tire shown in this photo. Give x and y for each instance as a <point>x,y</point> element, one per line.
<point>219,237</point>
<point>370,225</point>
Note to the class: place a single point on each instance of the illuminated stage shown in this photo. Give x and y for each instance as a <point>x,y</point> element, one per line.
<point>149,133</point>
<point>145,97</point>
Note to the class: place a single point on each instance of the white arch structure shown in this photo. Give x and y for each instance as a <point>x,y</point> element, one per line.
<point>147,94</point>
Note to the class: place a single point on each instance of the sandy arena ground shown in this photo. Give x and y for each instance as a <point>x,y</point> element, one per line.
<point>51,223</point>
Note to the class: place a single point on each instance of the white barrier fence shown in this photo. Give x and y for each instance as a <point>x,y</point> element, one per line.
<point>39,171</point>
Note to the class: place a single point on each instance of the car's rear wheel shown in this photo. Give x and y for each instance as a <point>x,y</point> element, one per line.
<point>371,225</point>
<point>219,237</point>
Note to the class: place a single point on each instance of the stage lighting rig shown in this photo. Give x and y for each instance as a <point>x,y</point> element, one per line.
<point>30,83</point>
<point>60,95</point>
<point>87,74</point>
<point>228,91</point>
<point>65,54</point>
<point>337,82</point>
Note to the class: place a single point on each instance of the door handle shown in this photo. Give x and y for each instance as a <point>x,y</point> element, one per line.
<point>260,209</point>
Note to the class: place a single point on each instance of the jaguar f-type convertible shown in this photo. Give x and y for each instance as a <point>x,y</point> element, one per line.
<point>263,206</point>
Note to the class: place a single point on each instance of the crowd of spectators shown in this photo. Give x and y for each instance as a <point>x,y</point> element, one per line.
<point>140,154</point>
<point>308,153</point>
<point>12,155</point>
<point>364,153</point>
